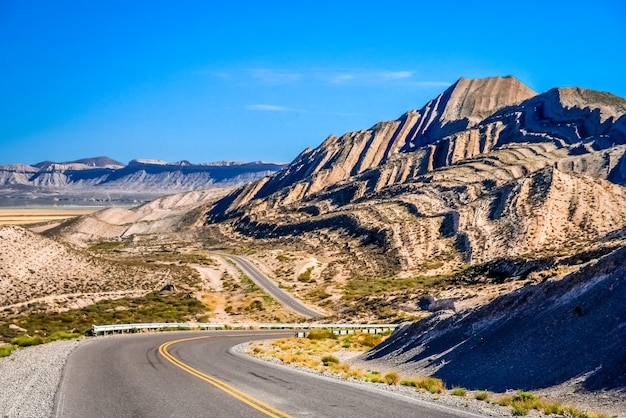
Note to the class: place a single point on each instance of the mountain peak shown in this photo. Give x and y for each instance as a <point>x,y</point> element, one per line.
<point>475,99</point>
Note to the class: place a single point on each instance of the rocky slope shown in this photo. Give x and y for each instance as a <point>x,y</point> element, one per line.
<point>101,180</point>
<point>488,169</point>
<point>560,332</point>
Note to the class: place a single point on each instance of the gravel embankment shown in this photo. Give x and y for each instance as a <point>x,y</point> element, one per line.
<point>29,379</point>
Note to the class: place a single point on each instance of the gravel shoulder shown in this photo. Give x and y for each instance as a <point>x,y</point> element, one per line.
<point>30,377</point>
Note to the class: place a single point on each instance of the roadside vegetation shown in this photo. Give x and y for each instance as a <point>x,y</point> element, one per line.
<point>37,328</point>
<point>322,351</point>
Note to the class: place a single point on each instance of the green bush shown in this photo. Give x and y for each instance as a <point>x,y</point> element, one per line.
<point>327,360</point>
<point>457,391</point>
<point>6,350</point>
<point>64,335</point>
<point>26,341</point>
<point>481,396</point>
<point>305,276</point>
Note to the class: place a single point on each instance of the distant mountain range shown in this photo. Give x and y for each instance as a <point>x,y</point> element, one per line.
<point>102,180</point>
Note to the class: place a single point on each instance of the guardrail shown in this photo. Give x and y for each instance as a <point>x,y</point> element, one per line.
<point>337,328</point>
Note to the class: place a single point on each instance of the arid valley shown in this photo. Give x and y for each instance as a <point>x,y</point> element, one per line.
<point>489,225</point>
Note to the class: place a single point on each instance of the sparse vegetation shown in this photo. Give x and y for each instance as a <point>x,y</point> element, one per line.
<point>305,276</point>
<point>321,334</point>
<point>26,341</point>
<point>106,246</point>
<point>458,391</point>
<point>152,307</point>
<point>358,288</point>
<point>481,396</point>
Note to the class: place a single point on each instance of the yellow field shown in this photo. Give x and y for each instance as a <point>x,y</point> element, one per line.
<point>30,216</point>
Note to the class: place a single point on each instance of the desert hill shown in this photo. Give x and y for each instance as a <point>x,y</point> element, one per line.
<point>102,180</point>
<point>489,183</point>
<point>46,273</point>
<point>488,169</point>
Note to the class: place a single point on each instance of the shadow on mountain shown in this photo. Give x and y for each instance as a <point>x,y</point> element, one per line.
<point>539,336</point>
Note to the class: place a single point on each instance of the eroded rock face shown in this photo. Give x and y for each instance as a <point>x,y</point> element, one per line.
<point>487,169</point>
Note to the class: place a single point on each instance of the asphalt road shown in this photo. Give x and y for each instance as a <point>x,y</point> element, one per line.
<point>270,287</point>
<point>148,375</point>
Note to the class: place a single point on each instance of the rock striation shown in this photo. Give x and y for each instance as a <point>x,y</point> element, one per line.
<point>487,169</point>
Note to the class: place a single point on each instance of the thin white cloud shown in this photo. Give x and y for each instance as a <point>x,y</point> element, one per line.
<point>272,108</point>
<point>393,75</point>
<point>341,78</point>
<point>334,76</point>
<point>275,76</point>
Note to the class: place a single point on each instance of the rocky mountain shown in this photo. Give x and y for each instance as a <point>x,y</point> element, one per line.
<point>100,180</point>
<point>489,169</point>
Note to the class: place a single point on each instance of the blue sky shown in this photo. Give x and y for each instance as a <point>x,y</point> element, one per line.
<point>262,80</point>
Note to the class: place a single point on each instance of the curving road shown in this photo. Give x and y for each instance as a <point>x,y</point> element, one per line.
<point>270,287</point>
<point>196,374</point>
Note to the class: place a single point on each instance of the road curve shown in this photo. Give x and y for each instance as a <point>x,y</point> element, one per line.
<point>177,374</point>
<point>270,287</point>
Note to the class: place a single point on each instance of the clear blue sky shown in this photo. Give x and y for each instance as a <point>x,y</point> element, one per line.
<point>262,80</point>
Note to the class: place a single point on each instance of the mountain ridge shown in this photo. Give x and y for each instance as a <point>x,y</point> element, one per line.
<point>449,180</point>
<point>107,180</point>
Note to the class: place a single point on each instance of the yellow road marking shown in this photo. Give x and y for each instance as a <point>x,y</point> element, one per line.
<point>236,393</point>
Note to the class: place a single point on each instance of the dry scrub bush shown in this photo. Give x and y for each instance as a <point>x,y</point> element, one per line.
<point>391,378</point>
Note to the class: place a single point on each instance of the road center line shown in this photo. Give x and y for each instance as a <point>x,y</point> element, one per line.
<point>236,393</point>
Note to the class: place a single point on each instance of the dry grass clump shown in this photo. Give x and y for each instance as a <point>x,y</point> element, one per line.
<point>523,402</point>
<point>391,378</point>
<point>458,391</point>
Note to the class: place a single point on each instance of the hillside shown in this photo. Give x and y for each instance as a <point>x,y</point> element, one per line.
<point>43,274</point>
<point>567,333</point>
<point>487,187</point>
<point>101,180</point>
<point>488,169</point>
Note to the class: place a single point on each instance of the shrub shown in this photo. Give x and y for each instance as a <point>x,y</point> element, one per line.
<point>321,334</point>
<point>391,378</point>
<point>481,396</point>
<point>518,411</point>
<point>373,376</point>
<point>330,359</point>
<point>64,335</point>
<point>430,384</point>
<point>305,276</point>
<point>457,391</point>
<point>370,340</point>
<point>6,350</point>
<point>408,382</point>
<point>524,401</point>
<point>26,341</point>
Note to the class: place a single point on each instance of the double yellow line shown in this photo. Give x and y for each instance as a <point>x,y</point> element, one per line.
<point>236,393</point>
